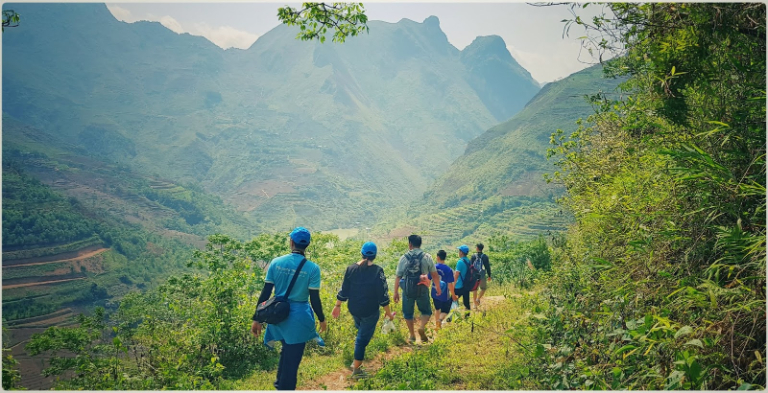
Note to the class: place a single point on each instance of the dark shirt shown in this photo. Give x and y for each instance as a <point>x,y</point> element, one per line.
<point>486,263</point>
<point>366,289</point>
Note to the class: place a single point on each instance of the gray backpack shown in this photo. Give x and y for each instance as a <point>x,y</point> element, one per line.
<point>411,287</point>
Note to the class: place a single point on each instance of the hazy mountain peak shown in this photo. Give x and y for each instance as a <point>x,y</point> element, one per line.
<point>491,44</point>
<point>490,64</point>
<point>432,21</point>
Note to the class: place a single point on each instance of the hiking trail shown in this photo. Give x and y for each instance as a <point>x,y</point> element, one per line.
<point>339,379</point>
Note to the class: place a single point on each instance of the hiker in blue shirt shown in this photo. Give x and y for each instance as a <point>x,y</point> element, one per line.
<point>365,286</point>
<point>462,268</point>
<point>443,301</point>
<point>416,266</point>
<point>299,327</point>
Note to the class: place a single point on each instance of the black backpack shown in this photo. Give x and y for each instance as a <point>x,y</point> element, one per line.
<point>472,278</point>
<point>411,287</point>
<point>276,309</point>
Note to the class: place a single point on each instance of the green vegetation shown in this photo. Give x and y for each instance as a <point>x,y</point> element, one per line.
<point>193,331</point>
<point>377,118</point>
<point>314,20</point>
<point>661,282</point>
<point>651,274</point>
<point>33,215</point>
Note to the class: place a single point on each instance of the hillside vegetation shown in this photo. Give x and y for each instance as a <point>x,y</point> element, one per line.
<point>284,131</point>
<point>657,283</point>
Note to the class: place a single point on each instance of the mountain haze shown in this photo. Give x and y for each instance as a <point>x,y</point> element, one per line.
<point>287,131</point>
<point>510,158</point>
<point>496,187</point>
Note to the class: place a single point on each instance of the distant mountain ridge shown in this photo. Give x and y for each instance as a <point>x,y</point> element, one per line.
<point>286,131</point>
<point>510,158</point>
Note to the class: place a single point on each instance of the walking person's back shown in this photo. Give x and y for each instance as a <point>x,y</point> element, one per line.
<point>299,326</point>
<point>412,266</point>
<point>365,287</point>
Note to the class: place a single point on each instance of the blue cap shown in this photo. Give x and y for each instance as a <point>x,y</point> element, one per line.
<point>463,248</point>
<point>300,236</point>
<point>369,249</point>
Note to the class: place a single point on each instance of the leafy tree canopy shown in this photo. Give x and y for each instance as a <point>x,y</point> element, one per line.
<point>314,19</point>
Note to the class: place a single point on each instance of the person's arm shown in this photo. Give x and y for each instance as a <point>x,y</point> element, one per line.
<point>433,272</point>
<point>396,295</point>
<point>436,280</point>
<point>317,305</point>
<point>342,296</point>
<point>487,265</point>
<point>389,313</point>
<point>266,292</point>
<point>451,288</point>
<point>399,272</point>
<point>314,297</point>
<point>384,293</point>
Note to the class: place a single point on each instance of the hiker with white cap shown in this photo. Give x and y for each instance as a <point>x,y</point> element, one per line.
<point>297,280</point>
<point>365,287</point>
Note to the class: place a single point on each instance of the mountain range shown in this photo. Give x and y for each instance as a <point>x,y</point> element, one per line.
<point>287,132</point>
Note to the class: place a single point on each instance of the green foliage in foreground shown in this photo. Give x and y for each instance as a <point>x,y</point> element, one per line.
<point>193,331</point>
<point>661,282</point>
<point>314,19</point>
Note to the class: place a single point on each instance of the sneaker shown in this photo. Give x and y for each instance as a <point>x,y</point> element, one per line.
<point>411,340</point>
<point>358,373</point>
<point>423,336</point>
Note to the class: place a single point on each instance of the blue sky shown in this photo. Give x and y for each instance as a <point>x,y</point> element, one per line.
<point>534,35</point>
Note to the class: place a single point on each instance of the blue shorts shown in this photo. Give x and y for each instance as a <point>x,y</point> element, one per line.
<point>443,305</point>
<point>422,302</point>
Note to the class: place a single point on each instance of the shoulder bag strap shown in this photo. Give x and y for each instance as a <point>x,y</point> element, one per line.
<point>295,276</point>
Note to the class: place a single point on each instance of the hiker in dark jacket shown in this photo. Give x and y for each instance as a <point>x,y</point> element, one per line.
<point>365,287</point>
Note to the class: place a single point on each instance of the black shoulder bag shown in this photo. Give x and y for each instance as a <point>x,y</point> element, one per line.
<point>277,308</point>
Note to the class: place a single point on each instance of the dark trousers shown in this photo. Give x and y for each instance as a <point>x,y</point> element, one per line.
<point>365,329</point>
<point>464,292</point>
<point>288,369</point>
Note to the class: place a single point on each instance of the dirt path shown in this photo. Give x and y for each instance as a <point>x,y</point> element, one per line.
<point>32,284</point>
<point>77,258</point>
<point>339,379</point>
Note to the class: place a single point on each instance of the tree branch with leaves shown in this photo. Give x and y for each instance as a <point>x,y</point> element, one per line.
<point>314,20</point>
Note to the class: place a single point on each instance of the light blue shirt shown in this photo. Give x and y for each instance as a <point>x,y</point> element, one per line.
<point>299,327</point>
<point>462,268</point>
<point>280,273</point>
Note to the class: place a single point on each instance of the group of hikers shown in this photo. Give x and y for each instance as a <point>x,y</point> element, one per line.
<point>297,281</point>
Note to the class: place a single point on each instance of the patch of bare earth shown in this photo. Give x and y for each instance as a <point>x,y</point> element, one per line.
<point>63,257</point>
<point>339,379</point>
<point>32,284</point>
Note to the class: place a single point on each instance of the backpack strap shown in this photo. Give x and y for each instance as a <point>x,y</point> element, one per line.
<point>293,280</point>
<point>467,263</point>
<point>421,256</point>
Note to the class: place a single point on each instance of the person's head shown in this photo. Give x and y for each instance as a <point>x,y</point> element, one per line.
<point>441,256</point>
<point>463,250</point>
<point>300,239</point>
<point>369,251</point>
<point>479,247</point>
<point>414,241</point>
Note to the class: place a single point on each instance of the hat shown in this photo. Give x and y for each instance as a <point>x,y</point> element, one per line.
<point>300,236</point>
<point>463,248</point>
<point>369,249</point>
